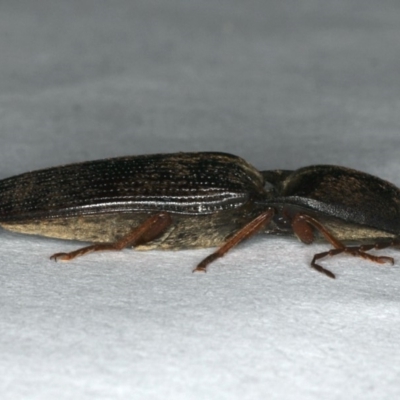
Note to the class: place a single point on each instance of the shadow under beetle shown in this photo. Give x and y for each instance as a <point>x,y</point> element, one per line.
<point>193,200</point>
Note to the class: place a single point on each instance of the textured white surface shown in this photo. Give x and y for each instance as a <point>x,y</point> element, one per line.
<point>283,84</point>
<point>140,325</point>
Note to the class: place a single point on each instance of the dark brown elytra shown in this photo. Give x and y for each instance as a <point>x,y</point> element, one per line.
<point>194,200</point>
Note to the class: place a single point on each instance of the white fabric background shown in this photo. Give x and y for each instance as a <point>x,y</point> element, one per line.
<point>283,84</point>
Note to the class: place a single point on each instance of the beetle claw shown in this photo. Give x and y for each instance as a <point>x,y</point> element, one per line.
<point>60,257</point>
<point>199,269</point>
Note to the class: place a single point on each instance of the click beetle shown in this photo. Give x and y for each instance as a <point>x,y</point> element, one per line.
<point>195,200</point>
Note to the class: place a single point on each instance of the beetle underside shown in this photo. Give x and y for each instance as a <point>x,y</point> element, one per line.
<point>173,232</point>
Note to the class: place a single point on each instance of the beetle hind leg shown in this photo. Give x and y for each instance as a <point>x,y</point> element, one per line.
<point>149,230</point>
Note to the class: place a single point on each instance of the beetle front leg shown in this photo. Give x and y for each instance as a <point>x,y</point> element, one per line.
<point>319,268</point>
<point>302,224</point>
<point>384,244</point>
<point>354,251</point>
<point>149,230</point>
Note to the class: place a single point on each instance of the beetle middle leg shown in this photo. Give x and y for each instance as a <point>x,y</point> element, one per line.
<point>247,231</point>
<point>302,224</point>
<point>149,230</point>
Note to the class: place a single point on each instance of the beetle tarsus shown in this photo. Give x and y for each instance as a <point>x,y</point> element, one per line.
<point>371,257</point>
<point>323,270</point>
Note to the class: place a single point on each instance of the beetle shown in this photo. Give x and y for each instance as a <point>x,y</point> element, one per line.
<point>194,200</point>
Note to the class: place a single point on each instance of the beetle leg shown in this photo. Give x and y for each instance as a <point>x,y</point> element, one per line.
<point>300,220</point>
<point>247,231</point>
<point>381,245</point>
<point>354,251</point>
<point>319,268</point>
<point>149,230</point>
<point>360,252</point>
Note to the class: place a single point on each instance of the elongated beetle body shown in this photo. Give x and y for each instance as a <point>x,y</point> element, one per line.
<point>191,200</point>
